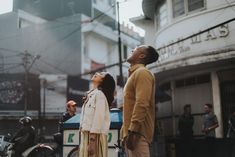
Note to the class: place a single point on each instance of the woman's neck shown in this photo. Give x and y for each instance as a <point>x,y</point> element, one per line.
<point>94,86</point>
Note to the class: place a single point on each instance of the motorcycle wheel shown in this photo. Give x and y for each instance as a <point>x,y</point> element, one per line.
<point>74,152</point>
<point>42,152</point>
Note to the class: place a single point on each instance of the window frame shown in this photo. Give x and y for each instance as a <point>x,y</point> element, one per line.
<point>157,21</point>
<point>186,9</point>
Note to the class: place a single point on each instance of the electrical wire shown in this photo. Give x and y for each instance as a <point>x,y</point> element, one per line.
<point>200,32</point>
<point>56,68</point>
<point>12,67</point>
<point>9,50</point>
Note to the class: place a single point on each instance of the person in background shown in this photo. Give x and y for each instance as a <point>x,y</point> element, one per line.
<point>24,138</point>
<point>185,126</point>
<point>210,122</point>
<point>139,103</point>
<point>71,109</point>
<point>95,116</point>
<point>231,131</point>
<point>70,112</point>
<point>231,124</point>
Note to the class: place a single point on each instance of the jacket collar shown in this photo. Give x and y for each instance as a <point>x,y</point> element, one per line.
<point>134,67</point>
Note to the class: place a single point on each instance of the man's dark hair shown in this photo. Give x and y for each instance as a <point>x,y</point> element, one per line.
<point>151,55</point>
<point>186,106</point>
<point>209,105</point>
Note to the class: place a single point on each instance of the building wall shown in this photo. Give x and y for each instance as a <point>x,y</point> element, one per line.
<point>53,9</point>
<point>185,52</point>
<point>218,39</point>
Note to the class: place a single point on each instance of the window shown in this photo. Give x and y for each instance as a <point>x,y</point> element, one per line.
<point>181,7</point>
<point>22,23</point>
<point>178,7</point>
<point>161,15</point>
<point>199,79</point>
<point>111,2</point>
<point>195,4</point>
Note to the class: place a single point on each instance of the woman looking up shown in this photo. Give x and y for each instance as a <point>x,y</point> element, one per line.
<point>95,116</point>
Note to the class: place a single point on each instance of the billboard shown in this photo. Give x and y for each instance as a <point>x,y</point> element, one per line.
<point>13,92</point>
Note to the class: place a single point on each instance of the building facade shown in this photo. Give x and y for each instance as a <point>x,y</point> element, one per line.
<point>57,42</point>
<point>195,40</point>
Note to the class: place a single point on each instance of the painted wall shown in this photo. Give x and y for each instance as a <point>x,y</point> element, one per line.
<point>189,52</point>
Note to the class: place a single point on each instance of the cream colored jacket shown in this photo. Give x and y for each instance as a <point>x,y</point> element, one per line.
<point>95,116</point>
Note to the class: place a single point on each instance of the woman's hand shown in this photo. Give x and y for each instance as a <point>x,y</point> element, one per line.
<point>91,148</point>
<point>92,144</point>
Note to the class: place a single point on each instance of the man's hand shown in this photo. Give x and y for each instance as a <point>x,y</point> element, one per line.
<point>132,140</point>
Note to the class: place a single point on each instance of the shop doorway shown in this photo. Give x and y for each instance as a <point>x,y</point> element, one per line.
<point>227,90</point>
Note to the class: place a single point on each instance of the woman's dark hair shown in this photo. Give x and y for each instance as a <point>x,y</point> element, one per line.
<point>107,86</point>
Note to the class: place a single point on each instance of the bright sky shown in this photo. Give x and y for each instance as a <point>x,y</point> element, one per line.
<point>128,9</point>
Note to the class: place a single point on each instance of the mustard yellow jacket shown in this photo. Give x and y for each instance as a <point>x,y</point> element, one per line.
<point>139,102</point>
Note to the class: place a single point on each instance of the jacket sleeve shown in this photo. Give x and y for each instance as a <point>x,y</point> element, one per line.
<point>143,84</point>
<point>99,113</point>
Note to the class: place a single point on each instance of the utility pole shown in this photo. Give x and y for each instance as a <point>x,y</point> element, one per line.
<point>121,83</point>
<point>27,66</point>
<point>2,64</point>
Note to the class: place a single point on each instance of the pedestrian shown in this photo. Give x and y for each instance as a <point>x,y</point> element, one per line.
<point>185,125</point>
<point>69,113</point>
<point>210,122</point>
<point>139,103</point>
<point>231,132</point>
<point>95,116</point>
<point>24,137</point>
<point>231,124</point>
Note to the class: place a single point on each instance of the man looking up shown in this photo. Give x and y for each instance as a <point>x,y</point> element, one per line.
<point>139,103</point>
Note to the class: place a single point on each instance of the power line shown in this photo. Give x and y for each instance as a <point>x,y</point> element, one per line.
<point>100,69</point>
<point>9,50</point>
<point>200,32</point>
<point>5,57</point>
<point>12,67</point>
<point>53,66</point>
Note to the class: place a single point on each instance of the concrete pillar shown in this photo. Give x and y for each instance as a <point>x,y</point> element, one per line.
<point>217,103</point>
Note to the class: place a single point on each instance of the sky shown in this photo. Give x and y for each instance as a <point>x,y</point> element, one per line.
<point>128,9</point>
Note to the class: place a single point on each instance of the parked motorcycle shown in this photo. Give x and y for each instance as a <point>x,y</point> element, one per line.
<point>38,150</point>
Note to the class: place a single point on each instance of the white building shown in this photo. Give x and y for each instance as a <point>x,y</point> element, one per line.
<point>195,40</point>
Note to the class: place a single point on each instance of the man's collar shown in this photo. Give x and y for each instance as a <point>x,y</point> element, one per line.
<point>134,67</point>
